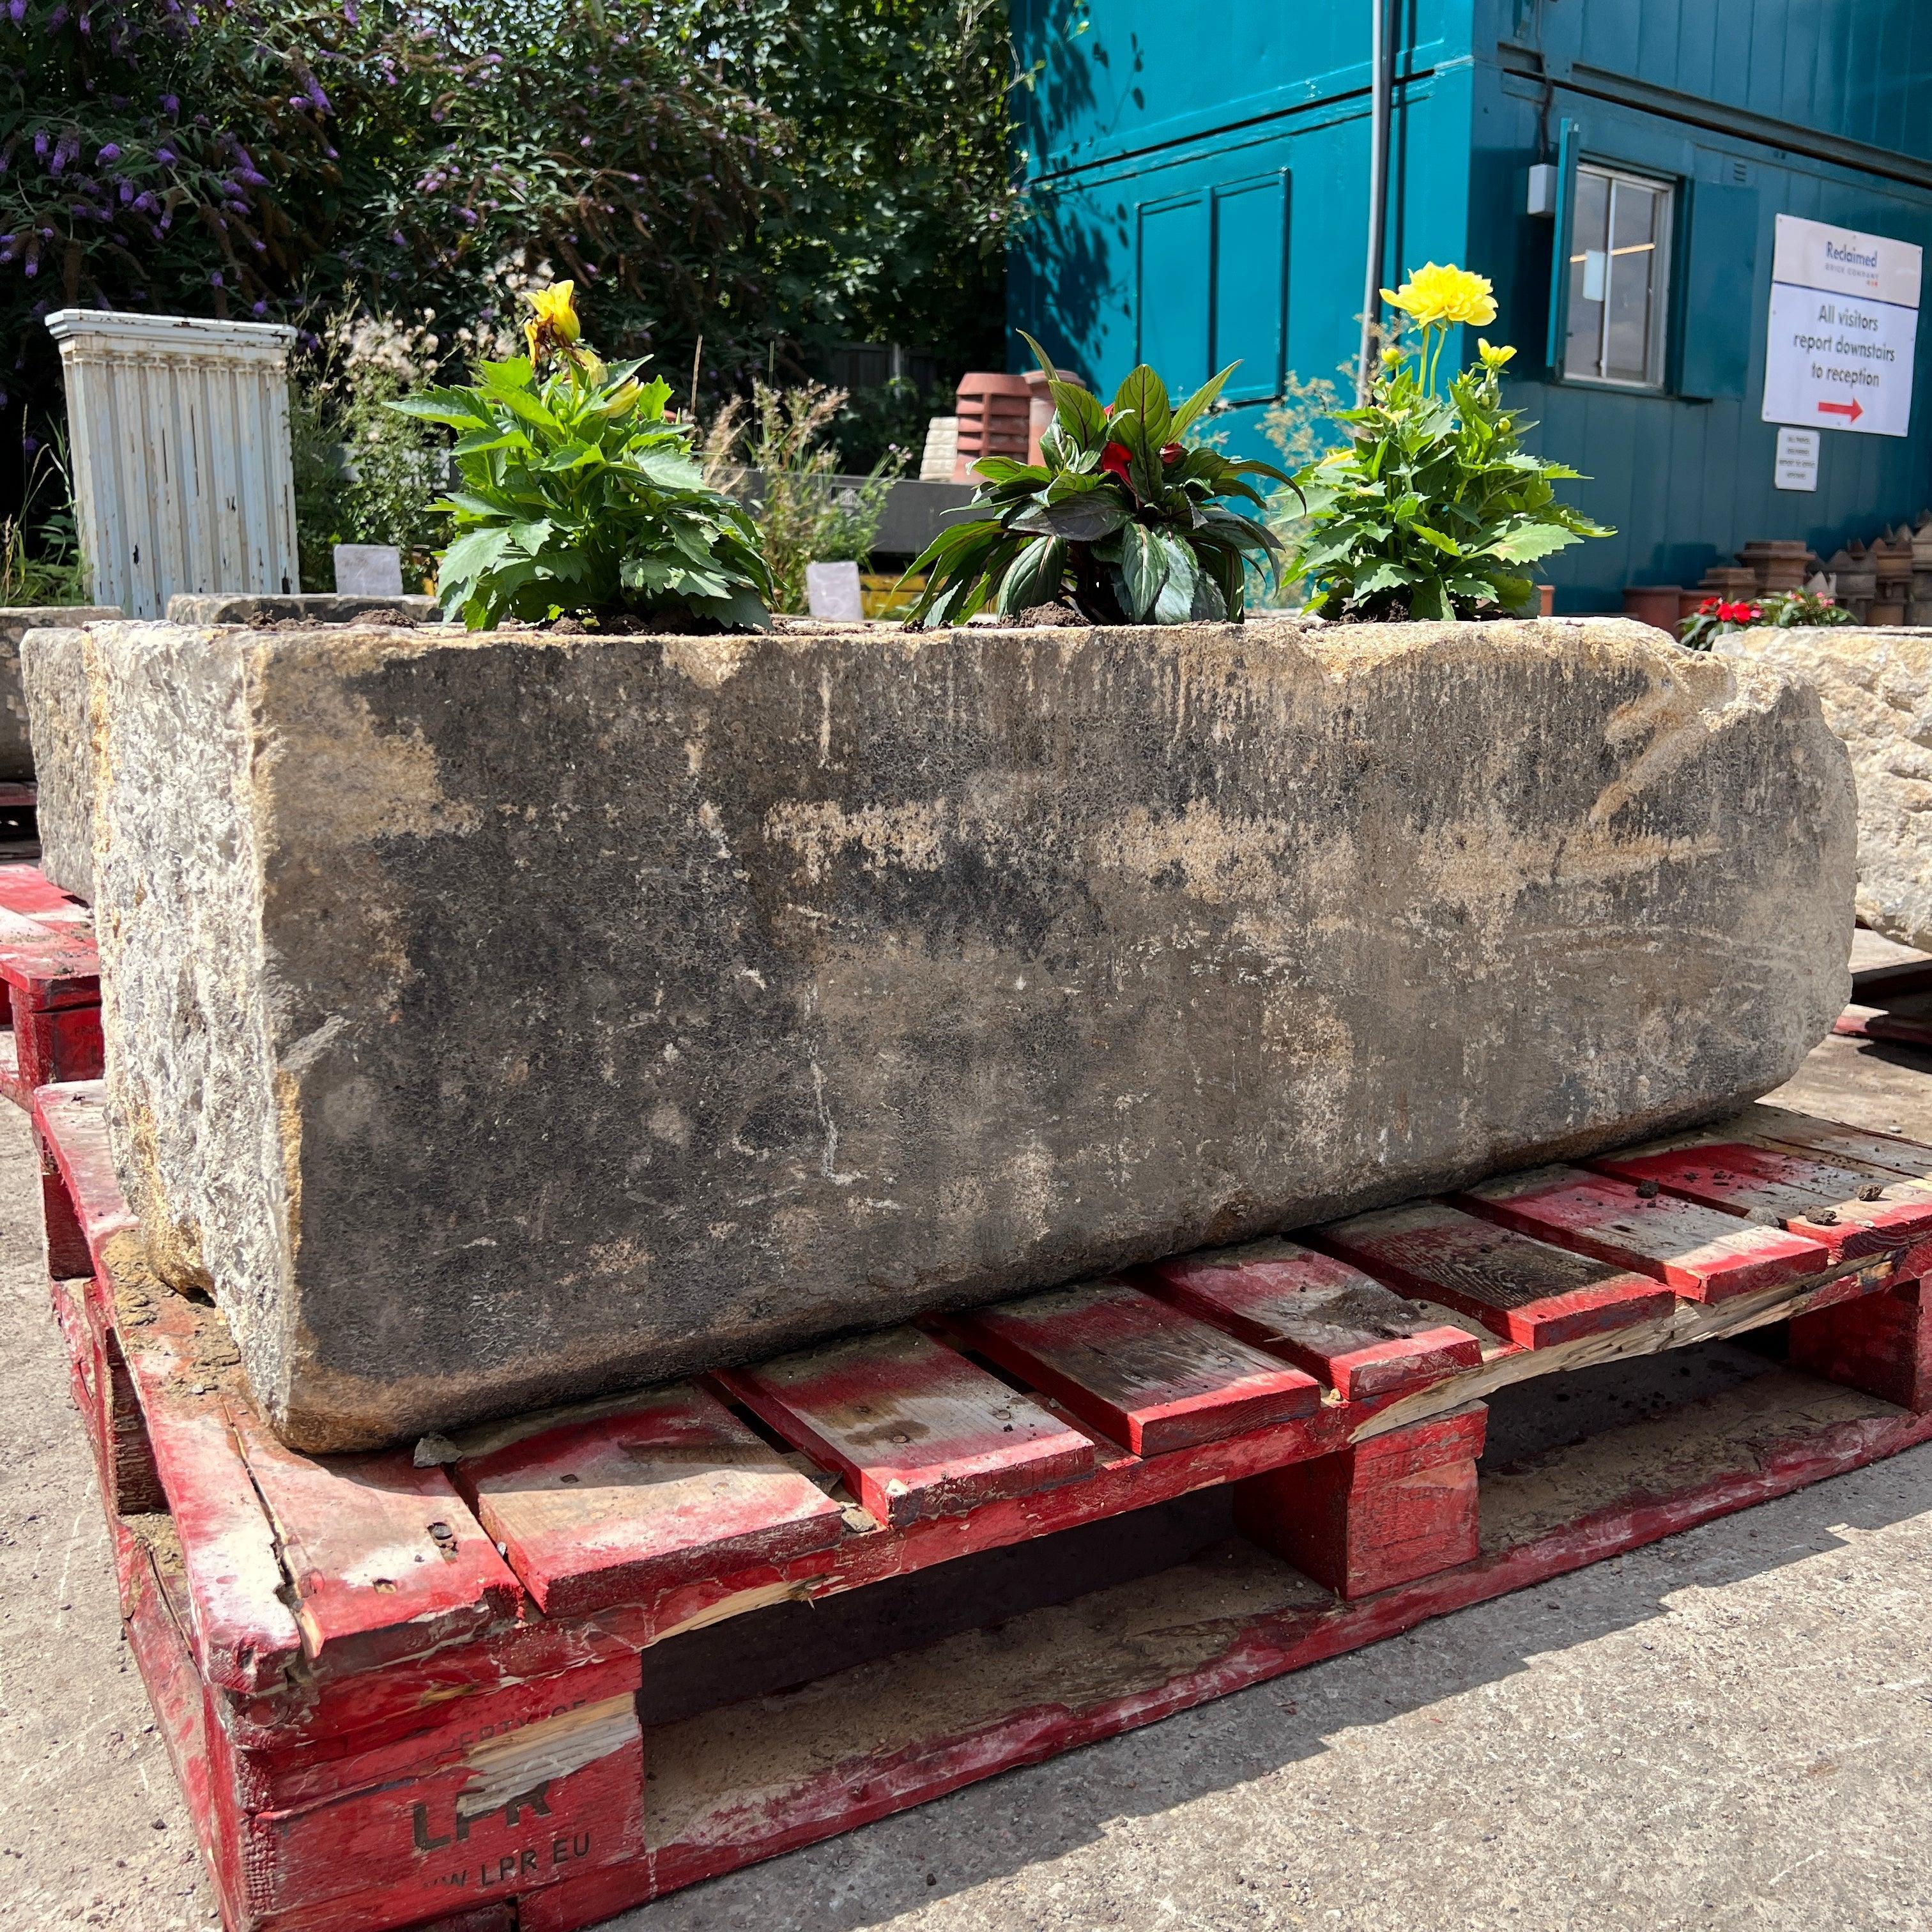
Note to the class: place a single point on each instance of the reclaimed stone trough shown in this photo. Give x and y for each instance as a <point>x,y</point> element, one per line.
<point>1875,687</point>
<point>495,1019</point>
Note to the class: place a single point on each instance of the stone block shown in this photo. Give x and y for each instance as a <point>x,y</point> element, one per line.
<point>1875,687</point>
<point>494,1019</point>
<point>308,607</point>
<point>16,754</point>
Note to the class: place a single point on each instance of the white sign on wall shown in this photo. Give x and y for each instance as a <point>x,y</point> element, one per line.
<point>1844,324</point>
<point>1797,460</point>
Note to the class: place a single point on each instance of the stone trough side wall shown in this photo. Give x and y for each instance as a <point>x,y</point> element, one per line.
<point>17,755</point>
<point>1875,687</point>
<point>494,1019</point>
<point>53,675</point>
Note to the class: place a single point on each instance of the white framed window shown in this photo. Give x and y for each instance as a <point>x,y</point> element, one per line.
<point>1619,272</point>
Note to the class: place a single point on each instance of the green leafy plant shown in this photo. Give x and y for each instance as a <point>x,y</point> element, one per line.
<point>1783,609</point>
<point>580,496</point>
<point>1121,517</point>
<point>363,473</point>
<point>1433,509</point>
<point>804,512</point>
<point>41,563</point>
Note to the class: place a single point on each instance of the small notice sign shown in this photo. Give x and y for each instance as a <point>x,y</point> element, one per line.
<point>1844,327</point>
<point>1797,460</point>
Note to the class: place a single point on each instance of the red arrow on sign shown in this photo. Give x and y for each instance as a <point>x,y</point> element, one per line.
<point>1849,410</point>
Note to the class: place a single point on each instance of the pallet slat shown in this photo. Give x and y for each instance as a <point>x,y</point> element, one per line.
<point>1144,1372</point>
<point>669,1486</point>
<point>384,1560</point>
<point>1318,1312</point>
<point>1832,1141</point>
<point>1523,1289</point>
<point>1819,1199</point>
<point>1699,1253</point>
<point>245,1635</point>
<point>914,1428</point>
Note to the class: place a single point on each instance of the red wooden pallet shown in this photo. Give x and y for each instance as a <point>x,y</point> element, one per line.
<point>50,1006</point>
<point>539,1684</point>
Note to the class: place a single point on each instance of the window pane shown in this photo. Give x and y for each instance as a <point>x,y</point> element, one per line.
<point>1589,235</point>
<point>1633,273</point>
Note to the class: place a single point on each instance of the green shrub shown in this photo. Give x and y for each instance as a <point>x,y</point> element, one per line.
<point>803,513</point>
<point>40,560</point>
<point>580,496</point>
<point>1120,516</point>
<point>364,474</point>
<point>1433,509</point>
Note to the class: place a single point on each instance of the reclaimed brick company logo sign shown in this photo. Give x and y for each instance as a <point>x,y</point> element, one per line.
<point>1844,324</point>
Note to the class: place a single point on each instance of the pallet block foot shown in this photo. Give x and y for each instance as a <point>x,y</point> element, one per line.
<point>1389,1510</point>
<point>1881,1344</point>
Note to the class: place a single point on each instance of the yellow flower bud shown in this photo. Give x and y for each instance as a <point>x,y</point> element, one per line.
<point>1494,355</point>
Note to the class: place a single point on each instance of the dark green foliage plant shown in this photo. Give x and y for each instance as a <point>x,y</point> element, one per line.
<point>1433,510</point>
<point>580,497</point>
<point>1121,518</point>
<point>771,176</point>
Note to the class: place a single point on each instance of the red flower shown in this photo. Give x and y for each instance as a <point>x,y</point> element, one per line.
<point>1172,452</point>
<point>1114,460</point>
<point>1711,607</point>
<point>1739,613</point>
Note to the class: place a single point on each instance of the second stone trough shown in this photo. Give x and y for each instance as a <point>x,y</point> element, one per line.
<point>496,1019</point>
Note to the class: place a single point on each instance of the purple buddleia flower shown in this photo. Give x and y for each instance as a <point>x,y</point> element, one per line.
<point>214,279</point>
<point>260,308</point>
<point>350,16</point>
<point>166,156</point>
<point>40,143</point>
<point>56,20</point>
<point>171,104</point>
<point>17,9</point>
<point>110,151</point>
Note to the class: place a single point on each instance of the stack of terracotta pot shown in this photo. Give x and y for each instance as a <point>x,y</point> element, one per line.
<point>1889,583</point>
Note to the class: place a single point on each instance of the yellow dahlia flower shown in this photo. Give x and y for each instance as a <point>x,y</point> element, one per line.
<point>557,306</point>
<point>1438,294</point>
<point>555,322</point>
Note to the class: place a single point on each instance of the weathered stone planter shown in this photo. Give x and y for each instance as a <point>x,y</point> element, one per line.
<point>492,1019</point>
<point>1875,686</point>
<point>53,678</point>
<point>17,756</point>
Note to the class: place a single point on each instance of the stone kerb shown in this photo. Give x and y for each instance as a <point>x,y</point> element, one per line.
<point>1875,687</point>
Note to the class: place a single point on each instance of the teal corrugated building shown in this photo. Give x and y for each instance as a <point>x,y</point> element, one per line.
<point>1197,183</point>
